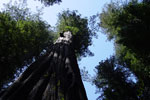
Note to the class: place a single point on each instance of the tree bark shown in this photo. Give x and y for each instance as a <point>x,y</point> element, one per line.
<point>55,76</point>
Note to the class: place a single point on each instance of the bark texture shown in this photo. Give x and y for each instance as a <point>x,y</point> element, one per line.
<point>55,76</point>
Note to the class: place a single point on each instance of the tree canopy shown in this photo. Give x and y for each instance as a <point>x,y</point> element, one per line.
<point>129,25</point>
<point>82,34</point>
<point>48,2</point>
<point>23,36</point>
<point>114,81</point>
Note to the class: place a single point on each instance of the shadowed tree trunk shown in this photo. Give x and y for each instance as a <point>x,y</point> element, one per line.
<point>55,76</point>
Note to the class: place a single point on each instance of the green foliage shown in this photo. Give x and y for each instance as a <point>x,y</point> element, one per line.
<point>139,68</point>
<point>146,1</point>
<point>49,2</point>
<point>132,26</point>
<point>82,35</point>
<point>74,30</point>
<point>113,81</point>
<point>108,20</point>
<point>129,26</point>
<point>22,38</point>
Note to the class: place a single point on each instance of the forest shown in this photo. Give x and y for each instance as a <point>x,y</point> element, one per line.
<point>25,38</point>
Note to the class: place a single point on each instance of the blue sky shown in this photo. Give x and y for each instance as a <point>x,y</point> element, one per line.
<point>102,48</point>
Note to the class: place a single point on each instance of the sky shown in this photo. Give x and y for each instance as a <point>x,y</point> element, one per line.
<point>101,47</point>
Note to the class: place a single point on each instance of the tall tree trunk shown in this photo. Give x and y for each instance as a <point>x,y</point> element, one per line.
<point>55,76</point>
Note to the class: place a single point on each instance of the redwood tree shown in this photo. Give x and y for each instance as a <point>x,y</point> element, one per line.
<point>56,75</point>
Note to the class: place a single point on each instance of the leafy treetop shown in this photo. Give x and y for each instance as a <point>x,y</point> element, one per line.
<point>22,38</point>
<point>82,35</point>
<point>129,26</point>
